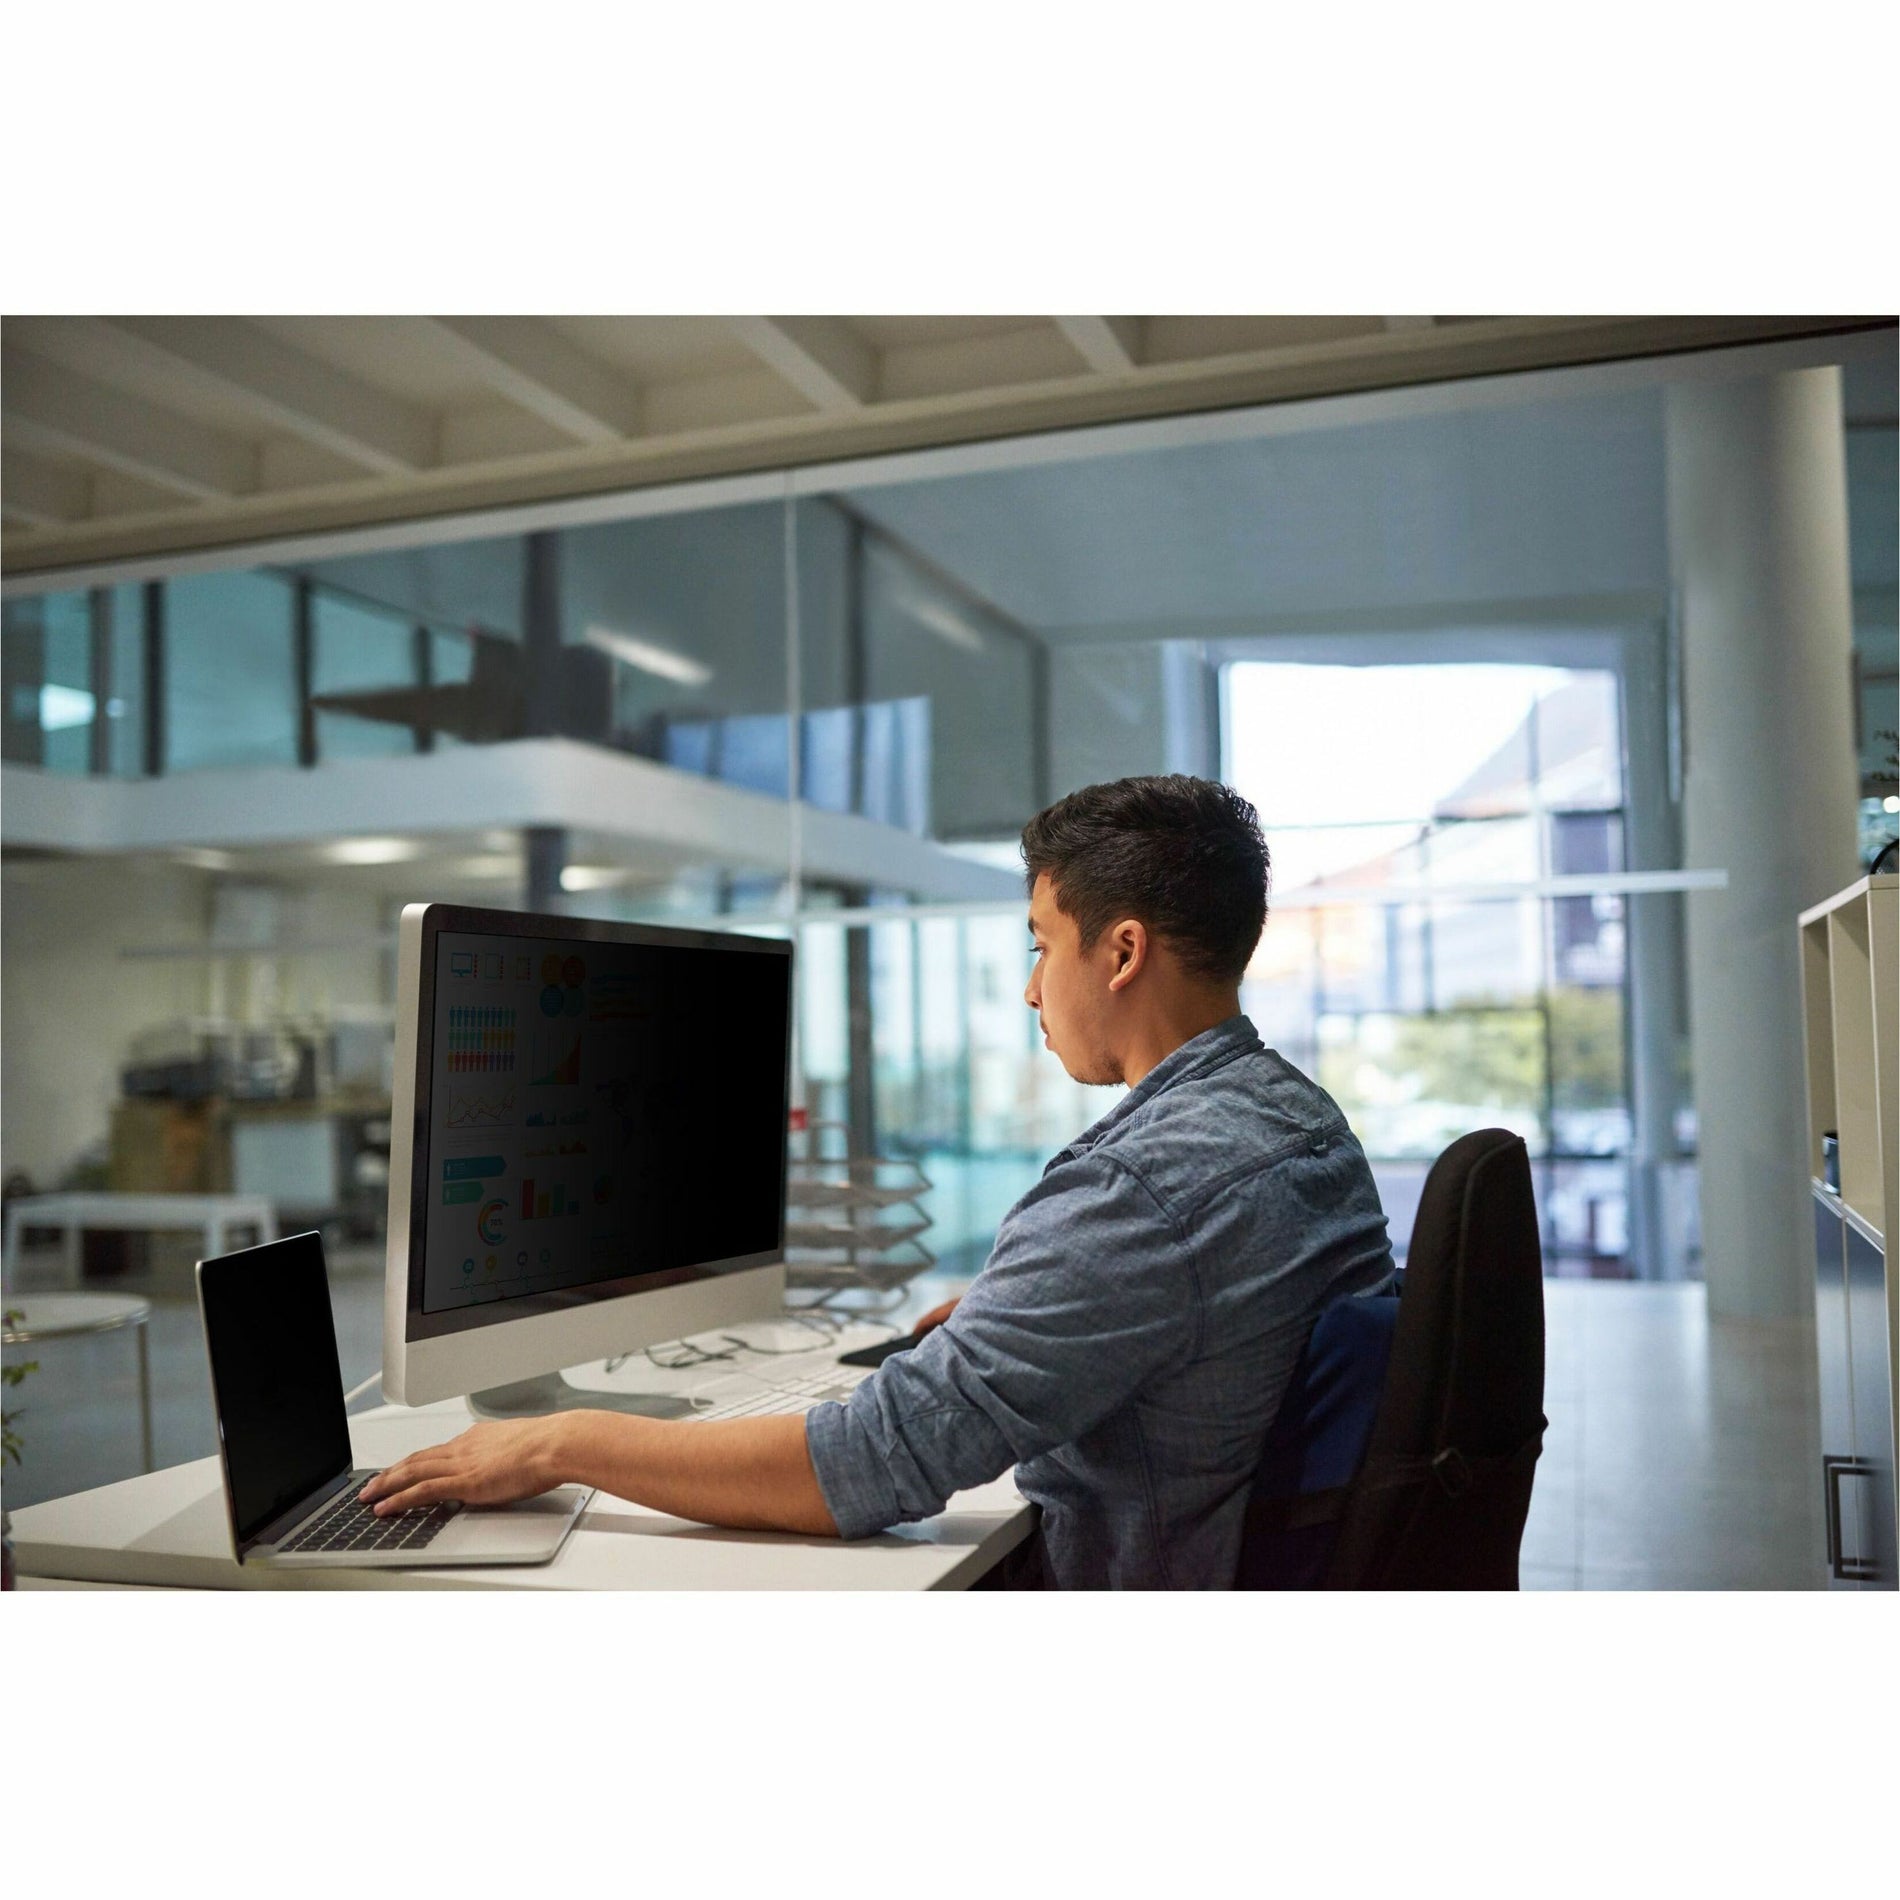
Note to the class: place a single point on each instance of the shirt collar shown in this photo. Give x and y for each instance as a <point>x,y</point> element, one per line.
<point>1198,1056</point>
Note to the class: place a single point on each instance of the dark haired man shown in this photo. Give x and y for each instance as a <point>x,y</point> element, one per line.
<point>1128,1342</point>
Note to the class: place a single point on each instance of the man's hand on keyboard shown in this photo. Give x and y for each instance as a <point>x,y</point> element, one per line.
<point>489,1464</point>
<point>755,1473</point>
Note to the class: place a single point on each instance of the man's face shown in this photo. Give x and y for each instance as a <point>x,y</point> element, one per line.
<point>1069,990</point>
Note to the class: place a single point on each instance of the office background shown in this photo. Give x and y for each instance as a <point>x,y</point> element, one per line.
<point>1463,641</point>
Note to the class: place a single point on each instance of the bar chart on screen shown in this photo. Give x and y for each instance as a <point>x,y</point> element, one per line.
<point>554,1059</point>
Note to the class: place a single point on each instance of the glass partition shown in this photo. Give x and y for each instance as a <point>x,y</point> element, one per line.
<point>230,671</point>
<point>359,649</point>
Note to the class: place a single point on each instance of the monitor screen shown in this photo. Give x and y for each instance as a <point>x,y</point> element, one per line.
<point>598,1107</point>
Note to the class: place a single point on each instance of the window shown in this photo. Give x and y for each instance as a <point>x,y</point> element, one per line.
<point>1393,797</point>
<point>230,679</point>
<point>359,648</point>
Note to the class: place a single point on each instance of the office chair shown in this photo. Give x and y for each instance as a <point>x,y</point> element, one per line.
<point>1403,1453</point>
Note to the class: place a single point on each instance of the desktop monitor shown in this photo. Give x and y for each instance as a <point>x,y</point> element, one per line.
<point>588,1147</point>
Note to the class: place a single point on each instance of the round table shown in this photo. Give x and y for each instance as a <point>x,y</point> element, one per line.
<point>36,1316</point>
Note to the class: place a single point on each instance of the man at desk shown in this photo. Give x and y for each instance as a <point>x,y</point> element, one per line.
<point>1128,1342</point>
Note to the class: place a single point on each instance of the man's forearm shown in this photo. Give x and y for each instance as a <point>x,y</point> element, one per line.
<point>750,1473</point>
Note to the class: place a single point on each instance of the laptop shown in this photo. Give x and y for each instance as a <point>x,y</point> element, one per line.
<point>290,1482</point>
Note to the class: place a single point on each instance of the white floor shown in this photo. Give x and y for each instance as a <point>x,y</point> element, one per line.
<point>1682,1454</point>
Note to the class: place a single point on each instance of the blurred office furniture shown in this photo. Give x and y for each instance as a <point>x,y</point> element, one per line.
<point>45,1316</point>
<point>852,1222</point>
<point>317,1164</point>
<point>294,1110</point>
<point>1403,1454</point>
<point>226,1221</point>
<point>1850,980</point>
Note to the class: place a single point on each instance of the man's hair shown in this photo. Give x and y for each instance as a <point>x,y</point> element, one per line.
<point>1184,855</point>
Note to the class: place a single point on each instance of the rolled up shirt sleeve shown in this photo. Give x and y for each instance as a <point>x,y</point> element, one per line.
<point>1089,1293</point>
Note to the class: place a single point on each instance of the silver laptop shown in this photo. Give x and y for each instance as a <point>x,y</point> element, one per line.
<point>290,1482</point>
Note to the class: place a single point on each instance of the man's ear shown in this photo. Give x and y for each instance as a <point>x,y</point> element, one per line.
<point>1128,945</point>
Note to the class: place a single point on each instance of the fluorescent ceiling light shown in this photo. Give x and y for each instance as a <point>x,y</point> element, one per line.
<point>592,877</point>
<point>945,622</point>
<point>203,859</point>
<point>371,851</point>
<point>649,656</point>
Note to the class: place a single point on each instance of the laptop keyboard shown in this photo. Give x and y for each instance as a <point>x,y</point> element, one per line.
<point>351,1525</point>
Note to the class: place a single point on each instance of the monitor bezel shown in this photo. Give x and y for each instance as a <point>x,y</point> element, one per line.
<point>435,919</point>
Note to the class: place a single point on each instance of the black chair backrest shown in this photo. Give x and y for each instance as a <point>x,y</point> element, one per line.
<point>1440,1498</point>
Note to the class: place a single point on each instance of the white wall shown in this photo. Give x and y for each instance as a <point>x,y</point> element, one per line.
<point>71,1003</point>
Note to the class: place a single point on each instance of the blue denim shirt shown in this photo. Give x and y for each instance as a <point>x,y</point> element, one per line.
<point>1128,1342</point>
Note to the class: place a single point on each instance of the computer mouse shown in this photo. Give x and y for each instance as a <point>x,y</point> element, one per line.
<point>877,1354</point>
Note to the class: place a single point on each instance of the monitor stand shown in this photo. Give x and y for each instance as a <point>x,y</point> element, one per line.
<point>549,1392</point>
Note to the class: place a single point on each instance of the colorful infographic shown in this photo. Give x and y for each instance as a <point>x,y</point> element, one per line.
<point>511,1104</point>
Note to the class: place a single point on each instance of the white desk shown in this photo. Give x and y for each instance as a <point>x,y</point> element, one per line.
<point>216,1216</point>
<point>169,1528</point>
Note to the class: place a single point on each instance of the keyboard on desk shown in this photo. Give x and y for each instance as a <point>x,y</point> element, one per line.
<point>350,1524</point>
<point>788,1394</point>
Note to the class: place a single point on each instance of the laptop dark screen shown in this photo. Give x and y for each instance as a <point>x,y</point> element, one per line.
<point>275,1378</point>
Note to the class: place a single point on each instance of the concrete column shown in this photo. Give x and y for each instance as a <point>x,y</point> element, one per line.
<point>1652,842</point>
<point>541,635</point>
<point>1757,500</point>
<point>544,858</point>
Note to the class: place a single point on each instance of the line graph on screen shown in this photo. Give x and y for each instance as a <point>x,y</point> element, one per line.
<point>474,1106</point>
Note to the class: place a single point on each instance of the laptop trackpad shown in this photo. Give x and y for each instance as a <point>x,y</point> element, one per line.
<point>525,1532</point>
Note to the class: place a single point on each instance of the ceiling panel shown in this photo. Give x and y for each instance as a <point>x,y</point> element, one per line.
<point>399,355</point>
<point>87,347</point>
<point>658,349</point>
<point>1180,339</point>
<point>898,333</point>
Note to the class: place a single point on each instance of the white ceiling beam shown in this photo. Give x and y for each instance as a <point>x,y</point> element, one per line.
<point>1109,344</point>
<point>823,358</point>
<point>50,409</point>
<point>282,387</point>
<point>40,494</point>
<point>1408,323</point>
<point>524,360</point>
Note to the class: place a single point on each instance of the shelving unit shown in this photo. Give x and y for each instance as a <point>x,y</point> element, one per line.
<point>1850,979</point>
<point>853,1222</point>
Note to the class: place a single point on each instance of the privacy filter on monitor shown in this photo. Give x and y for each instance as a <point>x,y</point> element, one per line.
<point>598,1109</point>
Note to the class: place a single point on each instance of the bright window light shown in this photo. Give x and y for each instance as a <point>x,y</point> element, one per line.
<point>1890,803</point>
<point>63,707</point>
